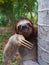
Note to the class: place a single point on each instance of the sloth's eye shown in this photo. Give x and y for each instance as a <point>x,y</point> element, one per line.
<point>19,27</point>
<point>29,24</point>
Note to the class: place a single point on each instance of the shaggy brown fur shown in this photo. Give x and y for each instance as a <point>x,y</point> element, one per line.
<point>24,52</point>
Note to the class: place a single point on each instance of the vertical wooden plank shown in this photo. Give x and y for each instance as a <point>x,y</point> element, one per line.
<point>43,32</point>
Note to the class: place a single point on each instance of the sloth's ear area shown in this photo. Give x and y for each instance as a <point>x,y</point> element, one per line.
<point>35,32</point>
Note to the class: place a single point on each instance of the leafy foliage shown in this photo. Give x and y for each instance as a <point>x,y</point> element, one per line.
<point>11,10</point>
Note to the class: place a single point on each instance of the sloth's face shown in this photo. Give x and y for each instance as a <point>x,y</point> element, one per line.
<point>24,27</point>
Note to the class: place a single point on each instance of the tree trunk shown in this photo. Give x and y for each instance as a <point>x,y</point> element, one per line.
<point>43,32</point>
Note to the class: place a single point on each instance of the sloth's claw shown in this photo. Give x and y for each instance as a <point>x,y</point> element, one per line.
<point>26,44</point>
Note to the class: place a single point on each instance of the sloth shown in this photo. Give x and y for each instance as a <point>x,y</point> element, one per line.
<point>23,41</point>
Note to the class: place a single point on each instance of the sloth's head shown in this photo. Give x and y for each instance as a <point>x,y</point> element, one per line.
<point>24,27</point>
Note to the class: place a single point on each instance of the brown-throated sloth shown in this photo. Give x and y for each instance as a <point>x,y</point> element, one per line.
<point>25,41</point>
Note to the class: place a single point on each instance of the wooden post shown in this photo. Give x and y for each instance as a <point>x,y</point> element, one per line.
<point>43,32</point>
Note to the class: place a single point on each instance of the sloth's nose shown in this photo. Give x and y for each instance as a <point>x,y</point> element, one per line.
<point>24,25</point>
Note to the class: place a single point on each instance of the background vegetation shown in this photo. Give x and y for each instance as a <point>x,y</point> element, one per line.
<point>10,11</point>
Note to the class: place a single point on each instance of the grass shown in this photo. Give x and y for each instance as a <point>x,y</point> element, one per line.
<point>1,54</point>
<point>2,37</point>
